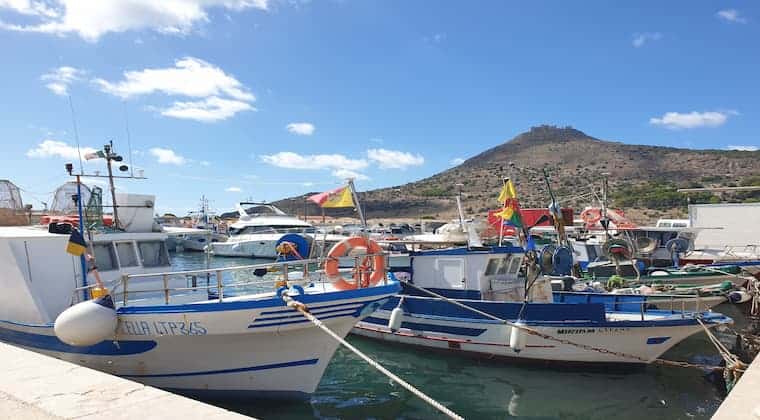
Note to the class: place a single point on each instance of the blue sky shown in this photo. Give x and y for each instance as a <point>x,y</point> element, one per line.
<point>268,99</point>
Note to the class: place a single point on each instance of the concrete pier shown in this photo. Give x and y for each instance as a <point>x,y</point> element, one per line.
<point>38,387</point>
<point>743,402</point>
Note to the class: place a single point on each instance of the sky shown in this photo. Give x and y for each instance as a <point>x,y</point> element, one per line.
<point>266,99</point>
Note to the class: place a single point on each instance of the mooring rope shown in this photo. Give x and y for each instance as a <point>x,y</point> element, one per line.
<point>565,341</point>
<point>304,310</point>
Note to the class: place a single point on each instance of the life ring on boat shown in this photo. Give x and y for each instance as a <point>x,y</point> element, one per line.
<point>591,216</point>
<point>371,268</point>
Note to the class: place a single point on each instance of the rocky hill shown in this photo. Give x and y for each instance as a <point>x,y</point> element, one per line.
<point>642,179</point>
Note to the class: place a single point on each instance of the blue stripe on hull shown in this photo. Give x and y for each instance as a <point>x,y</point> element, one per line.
<point>300,321</point>
<point>315,312</point>
<point>544,314</point>
<point>416,326</point>
<point>52,343</point>
<point>306,362</point>
<point>274,302</point>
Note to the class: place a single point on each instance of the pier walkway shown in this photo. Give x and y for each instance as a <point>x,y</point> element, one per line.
<point>37,387</point>
<point>743,402</point>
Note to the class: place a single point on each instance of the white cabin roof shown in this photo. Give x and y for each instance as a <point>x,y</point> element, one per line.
<point>10,232</point>
<point>270,220</point>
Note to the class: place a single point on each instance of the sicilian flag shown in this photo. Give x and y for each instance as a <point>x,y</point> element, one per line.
<point>510,214</point>
<point>339,197</point>
<point>77,246</point>
<point>95,155</point>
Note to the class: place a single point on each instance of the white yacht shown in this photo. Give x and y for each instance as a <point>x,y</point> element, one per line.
<point>259,228</point>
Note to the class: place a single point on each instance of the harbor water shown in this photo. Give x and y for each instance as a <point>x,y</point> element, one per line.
<point>483,389</point>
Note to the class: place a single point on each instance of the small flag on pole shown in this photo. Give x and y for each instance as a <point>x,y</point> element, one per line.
<point>510,213</point>
<point>95,155</point>
<point>339,197</point>
<point>76,246</point>
<point>507,191</point>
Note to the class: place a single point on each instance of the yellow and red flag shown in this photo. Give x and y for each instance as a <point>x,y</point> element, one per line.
<point>339,197</point>
<point>510,213</point>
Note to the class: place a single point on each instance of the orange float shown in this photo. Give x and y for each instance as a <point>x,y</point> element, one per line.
<point>370,270</point>
<point>591,216</point>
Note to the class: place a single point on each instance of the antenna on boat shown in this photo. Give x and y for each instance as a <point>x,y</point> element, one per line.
<point>129,140</point>
<point>110,156</point>
<point>459,204</point>
<point>76,133</point>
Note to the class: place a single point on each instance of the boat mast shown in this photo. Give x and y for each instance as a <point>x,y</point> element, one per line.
<point>108,148</point>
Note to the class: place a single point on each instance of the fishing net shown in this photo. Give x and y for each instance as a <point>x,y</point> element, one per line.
<point>10,196</point>
<point>63,198</point>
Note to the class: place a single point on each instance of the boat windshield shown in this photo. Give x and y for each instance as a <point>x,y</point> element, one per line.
<point>253,230</point>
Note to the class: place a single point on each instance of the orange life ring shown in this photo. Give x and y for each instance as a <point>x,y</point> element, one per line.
<point>591,216</point>
<point>371,268</point>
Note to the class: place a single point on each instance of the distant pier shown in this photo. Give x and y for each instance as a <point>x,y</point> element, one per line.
<point>37,387</point>
<point>743,402</point>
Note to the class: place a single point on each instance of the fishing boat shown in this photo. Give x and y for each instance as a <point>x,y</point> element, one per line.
<point>258,230</point>
<point>478,302</point>
<point>105,297</point>
<point>194,332</point>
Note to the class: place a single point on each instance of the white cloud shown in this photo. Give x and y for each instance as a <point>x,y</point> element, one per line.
<point>29,8</point>
<point>387,159</point>
<point>639,39</point>
<point>677,120</point>
<point>167,156</point>
<point>346,173</point>
<point>731,15</point>
<point>456,161</point>
<point>301,128</point>
<point>377,140</point>
<point>435,38</point>
<point>233,189</point>
<point>93,19</point>
<point>58,80</point>
<point>204,163</point>
<point>295,161</point>
<point>54,148</point>
<point>208,110</point>
<point>190,76</point>
<point>743,148</point>
<point>221,95</point>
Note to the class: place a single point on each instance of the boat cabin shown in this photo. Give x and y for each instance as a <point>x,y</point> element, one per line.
<point>483,273</point>
<point>40,278</point>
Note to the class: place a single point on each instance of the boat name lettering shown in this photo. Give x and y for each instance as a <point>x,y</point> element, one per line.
<point>575,330</point>
<point>161,328</point>
<point>605,330</point>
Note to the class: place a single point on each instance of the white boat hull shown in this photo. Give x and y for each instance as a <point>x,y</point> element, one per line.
<point>491,339</point>
<point>259,248</point>
<point>214,348</point>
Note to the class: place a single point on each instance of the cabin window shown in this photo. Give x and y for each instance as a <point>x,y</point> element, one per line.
<point>503,266</point>
<point>515,265</point>
<point>153,253</point>
<point>493,266</point>
<point>127,254</point>
<point>105,258</point>
<point>497,266</point>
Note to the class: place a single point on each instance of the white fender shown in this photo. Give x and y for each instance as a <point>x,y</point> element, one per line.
<point>517,337</point>
<point>86,323</point>
<point>394,323</point>
<point>739,296</point>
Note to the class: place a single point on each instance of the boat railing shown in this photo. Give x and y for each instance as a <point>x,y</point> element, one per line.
<point>681,304</point>
<point>267,277</point>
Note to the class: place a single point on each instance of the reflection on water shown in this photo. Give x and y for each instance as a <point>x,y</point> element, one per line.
<point>482,389</point>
